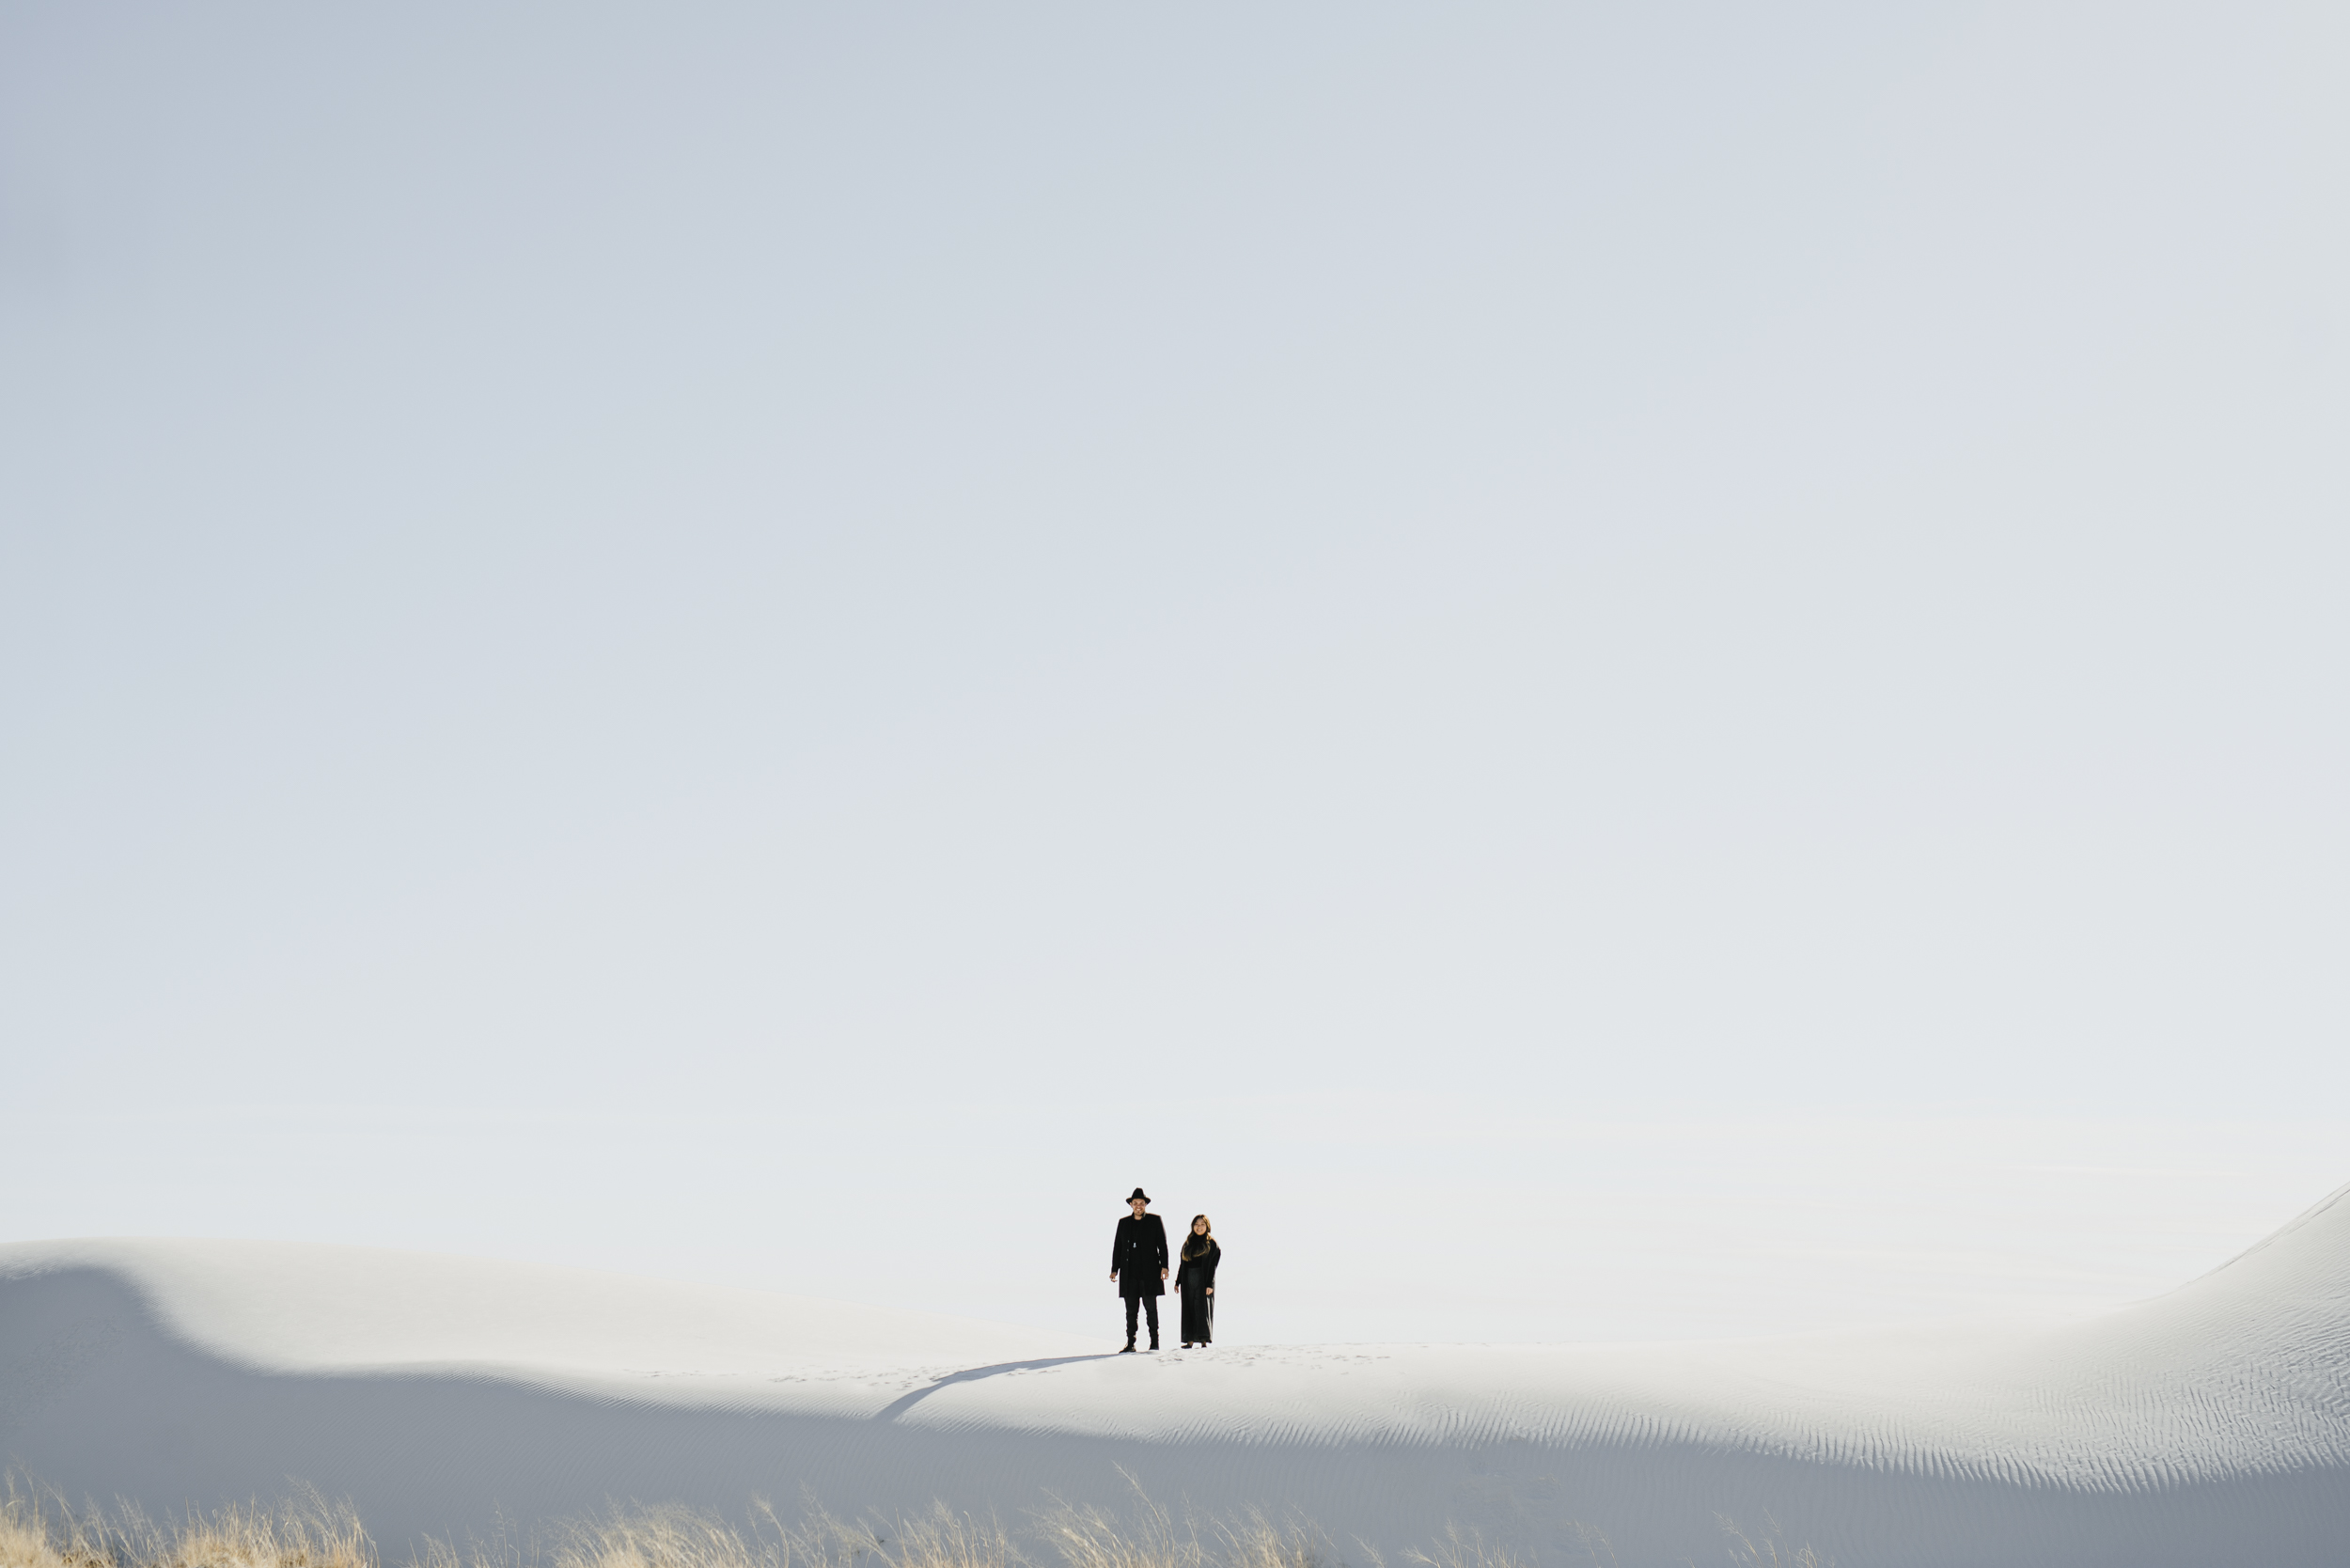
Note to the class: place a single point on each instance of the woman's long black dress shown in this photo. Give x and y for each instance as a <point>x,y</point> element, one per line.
<point>1192,1281</point>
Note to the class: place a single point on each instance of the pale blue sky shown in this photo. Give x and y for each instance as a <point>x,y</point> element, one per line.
<point>617,624</point>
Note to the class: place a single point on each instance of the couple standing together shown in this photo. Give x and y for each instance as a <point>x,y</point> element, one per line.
<point>1139,1267</point>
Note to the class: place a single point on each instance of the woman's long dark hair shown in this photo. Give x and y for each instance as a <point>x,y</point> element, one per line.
<point>1197,1245</point>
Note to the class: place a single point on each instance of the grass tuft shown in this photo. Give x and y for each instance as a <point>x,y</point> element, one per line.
<point>44,1531</point>
<point>38,1532</point>
<point>1765,1549</point>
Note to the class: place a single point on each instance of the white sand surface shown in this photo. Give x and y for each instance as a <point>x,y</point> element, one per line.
<point>444,1395</point>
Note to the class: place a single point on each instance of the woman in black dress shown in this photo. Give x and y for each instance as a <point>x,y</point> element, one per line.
<point>1194,1280</point>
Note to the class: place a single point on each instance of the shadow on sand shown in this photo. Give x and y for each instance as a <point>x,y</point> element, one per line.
<point>898,1407</point>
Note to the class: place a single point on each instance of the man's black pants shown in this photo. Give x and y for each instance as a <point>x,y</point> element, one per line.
<point>1149,1304</point>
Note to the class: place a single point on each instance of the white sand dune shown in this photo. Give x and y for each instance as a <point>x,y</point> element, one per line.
<point>441,1395</point>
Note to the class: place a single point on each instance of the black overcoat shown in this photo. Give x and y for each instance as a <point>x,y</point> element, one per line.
<point>1139,1255</point>
<point>1194,1278</point>
<point>1198,1272</point>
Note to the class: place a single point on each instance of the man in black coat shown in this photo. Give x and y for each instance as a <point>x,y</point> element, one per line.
<point>1139,1264</point>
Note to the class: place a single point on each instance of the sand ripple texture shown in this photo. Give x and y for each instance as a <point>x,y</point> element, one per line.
<point>448,1397</point>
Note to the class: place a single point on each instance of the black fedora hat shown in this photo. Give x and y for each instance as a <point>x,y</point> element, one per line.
<point>1140,1193</point>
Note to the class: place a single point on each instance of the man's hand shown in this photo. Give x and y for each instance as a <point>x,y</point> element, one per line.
<point>1212,1290</point>
<point>1162,1276</point>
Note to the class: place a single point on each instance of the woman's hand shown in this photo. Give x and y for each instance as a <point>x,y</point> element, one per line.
<point>1212,1290</point>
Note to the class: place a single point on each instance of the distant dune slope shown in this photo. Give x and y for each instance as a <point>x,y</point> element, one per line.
<point>442,1395</point>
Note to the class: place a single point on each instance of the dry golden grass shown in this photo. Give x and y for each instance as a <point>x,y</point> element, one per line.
<point>39,1530</point>
<point>653,1538</point>
<point>307,1533</point>
<point>36,1533</point>
<point>676,1536</point>
<point>44,1531</point>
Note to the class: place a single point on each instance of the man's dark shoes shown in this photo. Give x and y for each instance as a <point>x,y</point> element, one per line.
<point>1129,1350</point>
<point>1154,1345</point>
